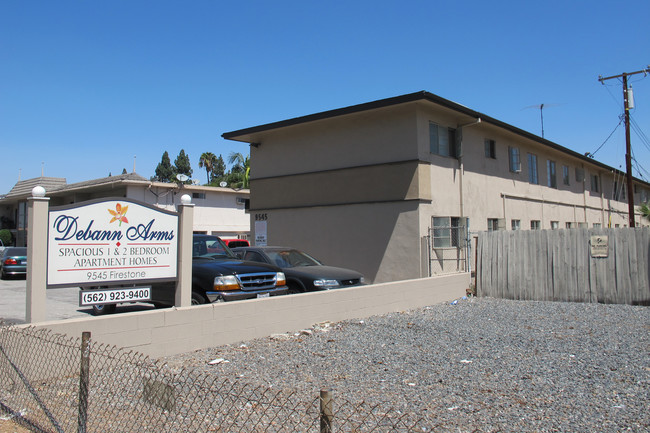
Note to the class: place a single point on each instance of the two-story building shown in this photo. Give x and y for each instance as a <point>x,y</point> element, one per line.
<point>218,211</point>
<point>394,188</point>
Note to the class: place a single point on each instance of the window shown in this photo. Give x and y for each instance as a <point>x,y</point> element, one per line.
<point>535,225</point>
<point>565,175</point>
<point>644,195</point>
<point>569,225</point>
<point>515,224</point>
<point>594,182</point>
<point>490,149</point>
<point>447,231</point>
<point>619,191</point>
<point>532,169</point>
<point>200,195</point>
<point>580,175</point>
<point>515,163</point>
<point>583,225</point>
<point>555,225</point>
<point>550,171</point>
<point>442,141</point>
<point>493,224</point>
<point>597,225</point>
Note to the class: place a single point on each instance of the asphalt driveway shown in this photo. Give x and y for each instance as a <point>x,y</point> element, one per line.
<point>62,303</point>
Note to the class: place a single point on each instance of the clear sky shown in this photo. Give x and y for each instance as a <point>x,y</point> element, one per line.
<point>86,86</point>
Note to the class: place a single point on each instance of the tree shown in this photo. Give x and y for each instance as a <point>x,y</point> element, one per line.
<point>241,166</point>
<point>207,160</point>
<point>219,169</point>
<point>164,170</point>
<point>645,210</point>
<point>182,164</point>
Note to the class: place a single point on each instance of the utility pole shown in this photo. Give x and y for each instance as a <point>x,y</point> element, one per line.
<point>628,147</point>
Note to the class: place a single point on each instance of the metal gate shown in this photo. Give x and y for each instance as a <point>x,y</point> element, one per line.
<point>448,245</point>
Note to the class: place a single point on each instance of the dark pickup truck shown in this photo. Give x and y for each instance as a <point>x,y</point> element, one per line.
<point>217,275</point>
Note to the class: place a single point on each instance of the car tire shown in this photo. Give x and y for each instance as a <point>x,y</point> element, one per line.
<point>101,310</point>
<point>197,299</point>
<point>294,288</point>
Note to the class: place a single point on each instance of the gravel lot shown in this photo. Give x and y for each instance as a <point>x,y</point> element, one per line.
<point>482,365</point>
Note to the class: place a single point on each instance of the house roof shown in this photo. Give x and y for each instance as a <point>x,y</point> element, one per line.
<point>57,186</point>
<point>246,135</point>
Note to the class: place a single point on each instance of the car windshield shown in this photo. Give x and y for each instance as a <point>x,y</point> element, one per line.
<point>291,258</point>
<point>211,247</point>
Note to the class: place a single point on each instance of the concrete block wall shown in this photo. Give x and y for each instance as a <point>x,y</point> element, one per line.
<point>164,332</point>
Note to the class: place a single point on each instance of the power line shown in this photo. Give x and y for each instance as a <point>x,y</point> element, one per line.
<point>591,154</point>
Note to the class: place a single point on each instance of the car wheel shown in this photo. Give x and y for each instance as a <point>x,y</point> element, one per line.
<point>197,299</point>
<point>294,288</point>
<point>100,310</point>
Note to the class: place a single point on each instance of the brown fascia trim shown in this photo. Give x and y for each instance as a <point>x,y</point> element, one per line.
<point>419,96</point>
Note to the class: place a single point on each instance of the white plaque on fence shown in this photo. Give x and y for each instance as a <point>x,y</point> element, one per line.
<point>111,241</point>
<point>599,246</point>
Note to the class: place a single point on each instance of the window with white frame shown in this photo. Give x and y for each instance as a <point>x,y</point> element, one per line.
<point>565,175</point>
<point>513,157</point>
<point>493,224</point>
<point>550,173</point>
<point>490,149</point>
<point>442,140</point>
<point>532,169</point>
<point>447,232</point>
<point>535,225</point>
<point>597,225</point>
<point>555,225</point>
<point>515,224</point>
<point>569,225</point>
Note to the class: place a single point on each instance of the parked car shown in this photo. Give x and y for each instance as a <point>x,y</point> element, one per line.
<point>304,273</point>
<point>234,243</point>
<point>14,262</point>
<point>217,275</point>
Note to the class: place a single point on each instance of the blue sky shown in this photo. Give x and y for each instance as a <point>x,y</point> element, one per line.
<point>87,85</point>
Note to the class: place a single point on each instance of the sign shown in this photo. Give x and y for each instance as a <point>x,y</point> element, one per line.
<point>109,241</point>
<point>260,229</point>
<point>599,246</point>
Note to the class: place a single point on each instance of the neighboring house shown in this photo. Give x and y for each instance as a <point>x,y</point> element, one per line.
<point>393,188</point>
<point>219,211</point>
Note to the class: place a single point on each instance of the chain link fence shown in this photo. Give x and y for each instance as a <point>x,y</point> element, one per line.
<point>54,383</point>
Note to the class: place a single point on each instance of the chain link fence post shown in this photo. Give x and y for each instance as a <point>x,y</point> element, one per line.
<point>84,376</point>
<point>326,412</point>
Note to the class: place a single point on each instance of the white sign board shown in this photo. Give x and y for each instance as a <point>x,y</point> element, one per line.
<point>112,241</point>
<point>260,233</point>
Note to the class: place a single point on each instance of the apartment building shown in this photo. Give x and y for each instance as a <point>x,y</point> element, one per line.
<point>395,187</point>
<point>218,211</point>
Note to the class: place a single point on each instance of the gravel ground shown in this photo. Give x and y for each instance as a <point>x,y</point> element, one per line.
<point>481,365</point>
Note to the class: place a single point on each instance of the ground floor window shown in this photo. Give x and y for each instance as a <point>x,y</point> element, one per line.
<point>535,225</point>
<point>447,231</point>
<point>515,224</point>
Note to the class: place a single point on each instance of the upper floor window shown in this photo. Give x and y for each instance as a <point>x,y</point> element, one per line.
<point>565,175</point>
<point>515,162</point>
<point>619,190</point>
<point>594,183</point>
<point>198,195</point>
<point>532,169</point>
<point>580,174</point>
<point>550,171</point>
<point>490,149</point>
<point>442,141</point>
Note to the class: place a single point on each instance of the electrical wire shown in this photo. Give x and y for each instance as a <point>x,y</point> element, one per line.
<point>608,137</point>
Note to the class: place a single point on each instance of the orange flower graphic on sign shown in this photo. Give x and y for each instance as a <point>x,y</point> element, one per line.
<point>119,214</point>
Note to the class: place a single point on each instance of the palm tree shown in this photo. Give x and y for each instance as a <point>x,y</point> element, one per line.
<point>241,163</point>
<point>207,160</point>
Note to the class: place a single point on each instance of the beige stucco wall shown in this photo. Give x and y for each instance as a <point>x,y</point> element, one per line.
<point>166,332</point>
<point>377,239</point>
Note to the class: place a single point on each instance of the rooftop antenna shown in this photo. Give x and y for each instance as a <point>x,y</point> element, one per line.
<point>134,156</point>
<point>42,169</point>
<point>541,112</point>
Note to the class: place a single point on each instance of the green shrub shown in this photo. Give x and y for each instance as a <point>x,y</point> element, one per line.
<point>6,237</point>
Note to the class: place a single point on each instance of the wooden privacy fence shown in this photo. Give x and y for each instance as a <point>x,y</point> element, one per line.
<point>578,265</point>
